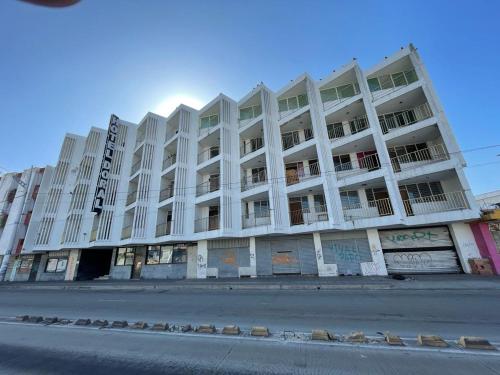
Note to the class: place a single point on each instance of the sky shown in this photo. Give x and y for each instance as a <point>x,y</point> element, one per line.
<point>65,70</point>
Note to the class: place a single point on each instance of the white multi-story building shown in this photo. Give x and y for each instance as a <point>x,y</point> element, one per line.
<point>357,173</point>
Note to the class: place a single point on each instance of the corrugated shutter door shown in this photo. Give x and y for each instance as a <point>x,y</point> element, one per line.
<point>263,257</point>
<point>285,257</point>
<point>308,263</point>
<point>347,254</point>
<point>434,261</point>
<point>225,260</point>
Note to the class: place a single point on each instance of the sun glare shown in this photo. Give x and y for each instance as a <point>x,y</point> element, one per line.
<point>167,106</point>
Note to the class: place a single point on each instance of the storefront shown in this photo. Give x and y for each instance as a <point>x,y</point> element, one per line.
<point>419,250</point>
<point>226,258</point>
<point>53,265</point>
<point>291,255</point>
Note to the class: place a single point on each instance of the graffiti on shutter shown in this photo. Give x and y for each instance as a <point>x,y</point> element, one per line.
<point>347,254</point>
<point>436,261</point>
<point>415,238</point>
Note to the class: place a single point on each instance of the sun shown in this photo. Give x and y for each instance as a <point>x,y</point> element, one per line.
<point>169,104</point>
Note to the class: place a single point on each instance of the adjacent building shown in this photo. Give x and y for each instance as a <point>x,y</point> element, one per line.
<point>355,174</point>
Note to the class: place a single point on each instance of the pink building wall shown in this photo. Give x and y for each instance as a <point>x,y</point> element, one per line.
<point>486,244</point>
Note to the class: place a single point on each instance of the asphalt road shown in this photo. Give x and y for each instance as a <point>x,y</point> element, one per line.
<point>28,349</point>
<point>403,312</point>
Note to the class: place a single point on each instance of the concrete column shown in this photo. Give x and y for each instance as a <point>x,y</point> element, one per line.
<point>72,267</point>
<point>465,244</point>
<point>323,269</point>
<point>202,259</point>
<point>192,263</point>
<point>377,266</point>
<point>486,244</point>
<point>253,258</point>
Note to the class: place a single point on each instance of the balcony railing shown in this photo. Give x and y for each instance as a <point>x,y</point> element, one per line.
<point>126,232</point>
<point>309,215</point>
<point>355,126</point>
<point>163,229</point>
<point>251,145</point>
<point>204,130</point>
<point>256,220</point>
<point>135,167</point>
<point>435,203</point>
<point>131,197</point>
<point>248,114</point>
<point>170,134</point>
<point>206,224</point>
<point>208,154</point>
<point>387,84</point>
<point>394,120</point>
<point>337,95</point>
<point>166,193</point>
<point>432,154</point>
<point>254,180</point>
<point>169,161</point>
<point>374,208</point>
<point>208,186</point>
<point>367,163</point>
<point>294,176</point>
<point>290,140</point>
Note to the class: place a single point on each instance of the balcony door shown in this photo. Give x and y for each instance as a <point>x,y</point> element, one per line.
<point>296,214</point>
<point>213,217</point>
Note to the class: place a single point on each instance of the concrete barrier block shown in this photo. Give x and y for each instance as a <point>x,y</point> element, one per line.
<point>22,318</point>
<point>50,320</point>
<point>231,330</point>
<point>322,335</point>
<point>35,319</point>
<point>206,328</point>
<point>82,322</point>
<point>468,342</point>
<point>119,324</point>
<point>100,323</point>
<point>139,325</point>
<point>432,340</point>
<point>159,327</point>
<point>186,328</point>
<point>64,321</point>
<point>393,339</point>
<point>259,331</point>
<point>357,337</point>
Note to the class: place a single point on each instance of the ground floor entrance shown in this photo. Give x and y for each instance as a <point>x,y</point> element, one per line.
<point>94,263</point>
<point>419,250</point>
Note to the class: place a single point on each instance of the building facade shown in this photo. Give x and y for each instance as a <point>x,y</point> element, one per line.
<point>357,173</point>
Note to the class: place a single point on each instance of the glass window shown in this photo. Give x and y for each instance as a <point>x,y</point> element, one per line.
<point>374,84</point>
<point>56,265</point>
<point>319,202</point>
<point>399,79</point>
<point>214,120</point>
<point>411,76</point>
<point>51,265</point>
<point>153,255</point>
<point>179,255</point>
<point>283,106</point>
<point>125,256</point>
<point>293,103</point>
<point>350,199</point>
<point>346,91</point>
<point>436,188</point>
<point>26,264</point>
<point>386,82</point>
<point>166,254</point>
<point>424,189</point>
<point>61,265</point>
<point>246,113</point>
<point>303,100</point>
<point>204,122</point>
<point>329,95</point>
<point>261,208</point>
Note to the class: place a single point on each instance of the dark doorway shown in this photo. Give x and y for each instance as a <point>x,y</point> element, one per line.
<point>34,267</point>
<point>140,256</point>
<point>94,263</point>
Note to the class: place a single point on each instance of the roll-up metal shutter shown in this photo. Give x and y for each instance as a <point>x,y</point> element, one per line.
<point>347,254</point>
<point>289,255</point>
<point>419,250</point>
<point>228,255</point>
<point>308,262</point>
<point>263,257</point>
<point>285,257</point>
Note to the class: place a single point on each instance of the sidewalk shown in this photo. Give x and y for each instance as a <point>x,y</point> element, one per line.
<point>414,282</point>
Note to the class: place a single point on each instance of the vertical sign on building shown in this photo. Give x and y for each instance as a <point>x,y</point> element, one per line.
<point>107,158</point>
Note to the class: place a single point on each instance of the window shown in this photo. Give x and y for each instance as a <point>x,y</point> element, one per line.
<point>261,208</point>
<point>410,153</point>
<point>258,174</point>
<point>209,121</point>
<point>374,84</point>
<point>308,134</point>
<point>26,264</point>
<point>166,254</point>
<point>179,255</point>
<point>125,256</point>
<point>329,95</point>
<point>250,112</point>
<point>424,190</point>
<point>342,162</point>
<point>319,203</point>
<point>294,102</point>
<point>335,130</point>
<point>346,91</point>
<point>350,199</point>
<point>399,79</point>
<point>411,76</point>
<point>56,265</point>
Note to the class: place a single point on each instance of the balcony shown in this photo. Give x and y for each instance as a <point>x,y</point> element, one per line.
<point>163,229</point>
<point>361,165</point>
<point>431,154</point>
<point>334,96</point>
<point>166,193</point>
<point>170,160</point>
<point>256,179</point>
<point>256,220</point>
<point>314,214</point>
<point>386,84</point>
<point>207,123</point>
<point>206,224</point>
<point>356,125</point>
<point>251,145</point>
<point>291,139</point>
<point>395,120</point>
<point>171,133</point>
<point>131,197</point>
<point>248,114</point>
<point>208,154</point>
<point>435,203</point>
<point>126,232</point>
<point>135,167</point>
<point>299,174</point>
<point>373,208</point>
<point>208,186</point>
<point>287,106</point>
